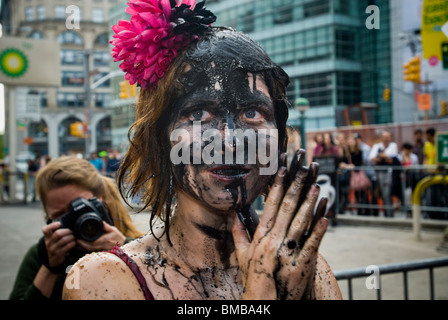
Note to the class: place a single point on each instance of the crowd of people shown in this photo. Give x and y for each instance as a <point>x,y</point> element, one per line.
<point>106,163</point>
<point>393,171</point>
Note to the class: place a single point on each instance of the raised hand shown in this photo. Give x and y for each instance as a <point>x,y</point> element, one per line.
<point>279,262</point>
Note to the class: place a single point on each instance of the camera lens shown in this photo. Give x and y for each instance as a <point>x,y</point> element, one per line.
<point>89,227</point>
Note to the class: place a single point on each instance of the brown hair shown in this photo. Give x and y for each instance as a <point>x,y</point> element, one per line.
<point>69,170</point>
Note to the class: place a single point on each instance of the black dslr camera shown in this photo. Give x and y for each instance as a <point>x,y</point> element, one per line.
<point>85,218</point>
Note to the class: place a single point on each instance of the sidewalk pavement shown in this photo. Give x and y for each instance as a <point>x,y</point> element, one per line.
<point>349,244</point>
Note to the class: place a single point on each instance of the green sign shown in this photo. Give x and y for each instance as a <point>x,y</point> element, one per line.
<point>442,147</point>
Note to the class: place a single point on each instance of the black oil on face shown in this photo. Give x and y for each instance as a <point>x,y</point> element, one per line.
<point>221,98</point>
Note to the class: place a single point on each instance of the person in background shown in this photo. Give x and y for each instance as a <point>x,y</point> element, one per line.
<point>370,172</point>
<point>353,157</point>
<point>383,154</point>
<point>4,176</point>
<point>408,159</point>
<point>436,194</point>
<point>33,169</point>
<point>96,161</point>
<point>112,164</point>
<point>317,144</point>
<point>429,148</point>
<point>343,155</point>
<point>419,145</point>
<point>42,272</point>
<point>329,147</point>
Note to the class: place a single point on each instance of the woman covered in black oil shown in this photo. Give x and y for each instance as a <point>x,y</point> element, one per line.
<point>208,139</point>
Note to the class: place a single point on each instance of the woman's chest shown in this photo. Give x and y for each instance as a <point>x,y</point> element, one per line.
<point>169,281</point>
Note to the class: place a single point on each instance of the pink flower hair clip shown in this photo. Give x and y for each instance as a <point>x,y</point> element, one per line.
<point>158,29</point>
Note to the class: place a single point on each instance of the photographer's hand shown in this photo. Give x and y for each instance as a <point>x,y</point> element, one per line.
<point>58,243</point>
<point>111,237</point>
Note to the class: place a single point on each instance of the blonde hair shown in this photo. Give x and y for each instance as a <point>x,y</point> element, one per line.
<point>69,170</point>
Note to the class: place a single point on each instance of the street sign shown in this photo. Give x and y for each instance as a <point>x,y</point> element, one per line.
<point>29,62</point>
<point>424,101</point>
<point>442,147</point>
<point>434,13</point>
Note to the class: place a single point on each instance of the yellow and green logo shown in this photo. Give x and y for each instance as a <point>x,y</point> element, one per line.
<point>13,62</point>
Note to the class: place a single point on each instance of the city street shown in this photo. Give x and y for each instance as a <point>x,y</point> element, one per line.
<point>344,247</point>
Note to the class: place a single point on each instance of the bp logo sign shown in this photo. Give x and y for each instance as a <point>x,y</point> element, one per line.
<point>13,62</point>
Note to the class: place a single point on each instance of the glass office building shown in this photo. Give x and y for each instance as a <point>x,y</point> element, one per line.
<point>332,58</point>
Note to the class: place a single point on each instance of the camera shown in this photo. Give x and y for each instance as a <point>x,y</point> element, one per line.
<point>85,218</point>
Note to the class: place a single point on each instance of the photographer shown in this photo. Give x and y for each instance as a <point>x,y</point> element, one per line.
<point>73,189</point>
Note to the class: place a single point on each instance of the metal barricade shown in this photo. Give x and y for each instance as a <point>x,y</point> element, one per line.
<point>404,268</point>
<point>404,180</point>
<point>18,193</point>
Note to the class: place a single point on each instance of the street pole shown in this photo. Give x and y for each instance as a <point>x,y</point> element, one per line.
<point>302,129</point>
<point>12,118</point>
<point>88,98</point>
<point>302,105</point>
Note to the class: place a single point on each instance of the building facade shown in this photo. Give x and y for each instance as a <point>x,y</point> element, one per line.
<point>122,115</point>
<point>406,42</point>
<point>332,58</point>
<point>81,28</point>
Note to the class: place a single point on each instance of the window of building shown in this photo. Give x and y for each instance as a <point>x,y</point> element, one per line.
<point>70,100</point>
<point>73,78</point>
<point>348,87</point>
<point>102,40</point>
<point>59,12</point>
<point>246,19</point>
<point>38,129</point>
<point>98,15</point>
<point>36,35</point>
<point>282,11</point>
<point>29,13</point>
<point>72,57</point>
<point>317,88</point>
<point>342,6</point>
<point>315,8</point>
<point>346,44</point>
<point>69,37</point>
<point>41,13</point>
<point>102,100</point>
<point>101,58</point>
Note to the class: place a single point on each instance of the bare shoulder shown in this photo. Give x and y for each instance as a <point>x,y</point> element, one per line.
<point>101,276</point>
<point>325,284</point>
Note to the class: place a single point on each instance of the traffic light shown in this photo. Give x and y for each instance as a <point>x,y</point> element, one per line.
<point>445,55</point>
<point>443,109</point>
<point>127,91</point>
<point>124,94</point>
<point>386,94</point>
<point>77,129</point>
<point>412,70</point>
<point>133,90</point>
